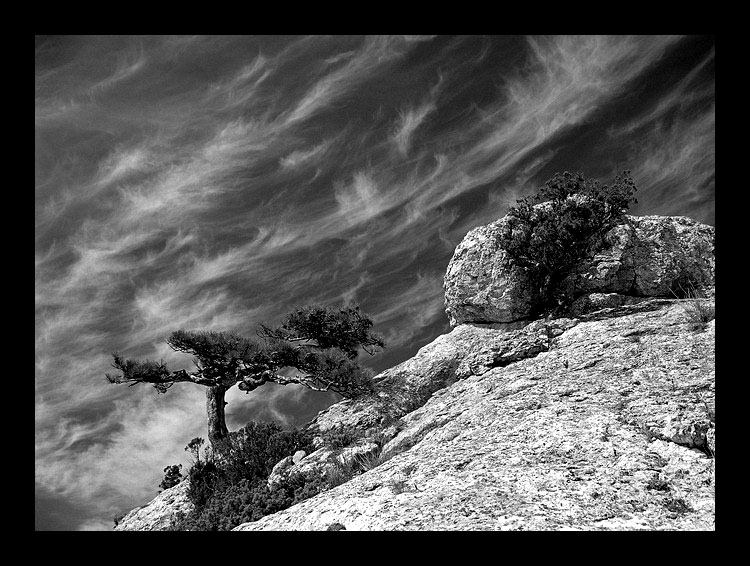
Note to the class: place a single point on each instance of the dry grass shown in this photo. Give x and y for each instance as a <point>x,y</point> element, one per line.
<point>698,309</point>
<point>372,460</point>
<point>699,312</point>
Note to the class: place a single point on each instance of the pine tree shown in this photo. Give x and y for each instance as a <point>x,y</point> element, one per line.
<point>314,346</point>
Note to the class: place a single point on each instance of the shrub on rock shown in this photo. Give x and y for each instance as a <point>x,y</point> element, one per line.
<point>547,241</point>
<point>552,255</point>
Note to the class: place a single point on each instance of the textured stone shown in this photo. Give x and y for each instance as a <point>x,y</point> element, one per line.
<point>597,301</point>
<point>605,429</point>
<point>317,463</point>
<point>479,286</point>
<point>649,256</point>
<point>602,420</point>
<point>645,256</point>
<point>158,514</point>
<point>466,350</point>
<point>280,471</point>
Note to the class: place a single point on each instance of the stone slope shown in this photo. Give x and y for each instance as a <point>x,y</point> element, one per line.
<point>157,515</point>
<point>603,419</point>
<point>445,360</point>
<point>610,427</point>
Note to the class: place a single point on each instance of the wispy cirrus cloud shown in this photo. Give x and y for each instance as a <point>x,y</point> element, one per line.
<point>407,124</point>
<point>375,52</point>
<point>569,78</point>
<point>676,165</point>
<point>128,64</point>
<point>72,462</point>
<point>412,308</point>
<point>304,157</point>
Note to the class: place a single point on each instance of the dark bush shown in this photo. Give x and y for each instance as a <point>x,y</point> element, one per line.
<point>252,452</point>
<point>248,501</point>
<point>172,476</point>
<point>228,487</point>
<point>206,479</point>
<point>548,240</point>
<point>341,437</point>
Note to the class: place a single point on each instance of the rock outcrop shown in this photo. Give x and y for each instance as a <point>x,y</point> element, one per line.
<point>646,256</point>
<point>600,420</point>
<point>608,427</point>
<point>158,514</point>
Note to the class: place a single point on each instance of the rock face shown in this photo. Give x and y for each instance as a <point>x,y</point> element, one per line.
<point>605,424</point>
<point>646,256</point>
<point>158,514</point>
<point>601,420</point>
<point>448,358</point>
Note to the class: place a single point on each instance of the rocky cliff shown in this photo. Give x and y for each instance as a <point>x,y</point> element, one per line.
<point>601,419</point>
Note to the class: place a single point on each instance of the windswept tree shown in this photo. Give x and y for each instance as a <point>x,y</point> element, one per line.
<point>314,346</point>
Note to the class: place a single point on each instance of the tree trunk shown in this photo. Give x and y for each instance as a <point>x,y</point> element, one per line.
<point>217,426</point>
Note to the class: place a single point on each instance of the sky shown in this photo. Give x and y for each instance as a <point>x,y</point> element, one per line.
<point>218,182</point>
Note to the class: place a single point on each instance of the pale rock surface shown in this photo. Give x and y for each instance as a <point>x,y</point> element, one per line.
<point>603,420</point>
<point>466,350</point>
<point>317,463</point>
<point>158,514</point>
<point>610,426</point>
<point>645,256</point>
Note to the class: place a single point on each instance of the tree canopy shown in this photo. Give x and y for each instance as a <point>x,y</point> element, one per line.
<point>314,346</point>
<point>320,343</point>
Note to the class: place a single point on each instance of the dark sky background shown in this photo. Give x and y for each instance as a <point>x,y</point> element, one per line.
<point>218,182</point>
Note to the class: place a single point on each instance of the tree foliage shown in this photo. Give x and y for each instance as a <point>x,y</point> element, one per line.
<point>228,487</point>
<point>315,346</point>
<point>549,232</point>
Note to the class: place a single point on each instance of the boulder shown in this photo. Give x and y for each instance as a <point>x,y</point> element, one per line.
<point>280,471</point>
<point>644,256</point>
<point>317,463</point>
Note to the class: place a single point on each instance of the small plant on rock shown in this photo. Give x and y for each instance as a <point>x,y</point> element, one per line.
<point>367,462</point>
<point>699,313</point>
<point>697,309</point>
<point>341,437</point>
<point>341,472</point>
<point>172,476</point>
<point>194,447</point>
<point>657,484</point>
<point>677,505</point>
